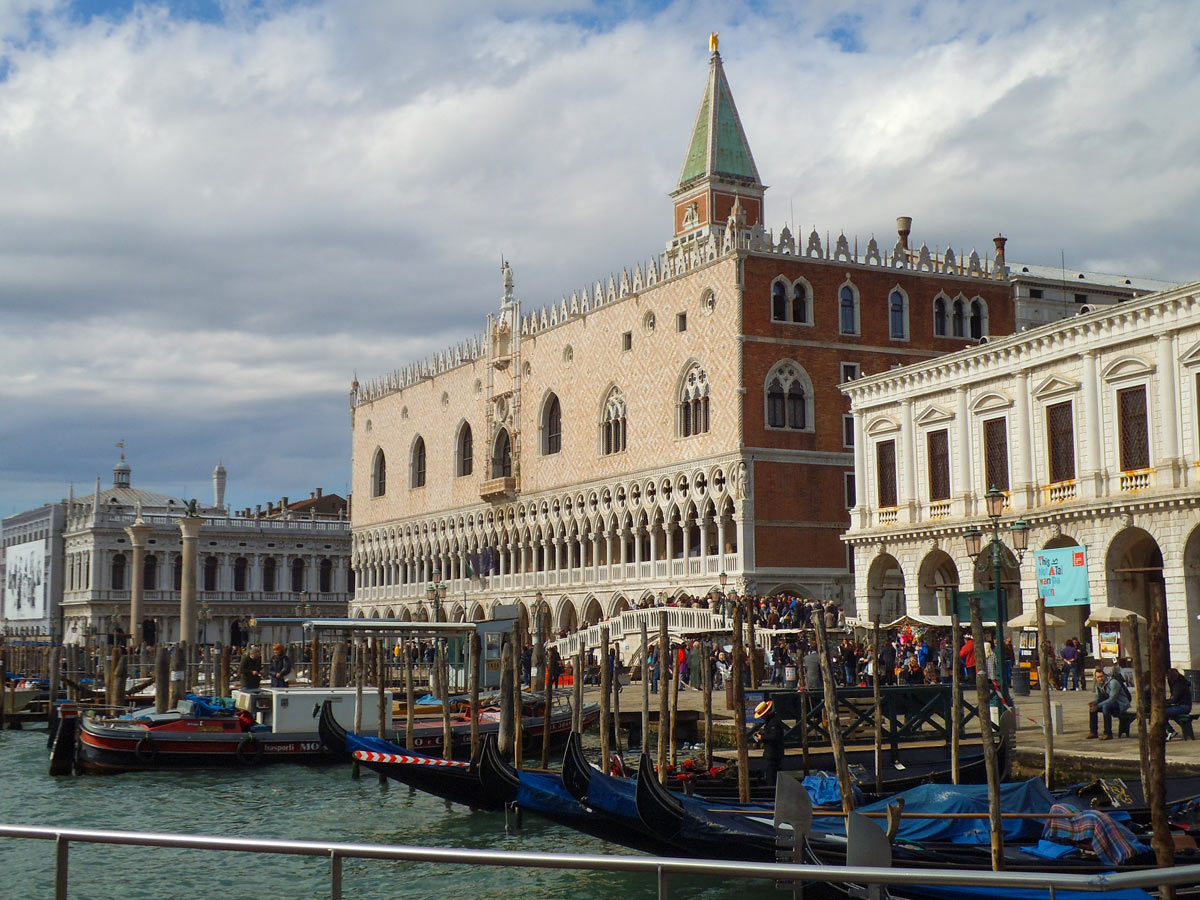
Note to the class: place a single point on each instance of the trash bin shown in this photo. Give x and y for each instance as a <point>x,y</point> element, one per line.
<point>1020,681</point>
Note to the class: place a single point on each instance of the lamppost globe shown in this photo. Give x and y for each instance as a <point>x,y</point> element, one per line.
<point>723,578</point>
<point>973,536</point>
<point>1020,535</point>
<point>994,500</point>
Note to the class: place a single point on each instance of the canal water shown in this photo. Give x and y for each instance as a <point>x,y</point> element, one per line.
<point>285,801</point>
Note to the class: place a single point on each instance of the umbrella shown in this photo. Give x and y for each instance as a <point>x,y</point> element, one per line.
<point>1029,620</point>
<point>1111,614</point>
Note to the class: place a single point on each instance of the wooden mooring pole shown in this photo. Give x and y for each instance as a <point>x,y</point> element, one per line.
<point>1156,797</point>
<point>1139,700</point>
<point>476,675</point>
<point>877,697</point>
<point>983,695</point>
<point>360,677</point>
<point>675,669</point>
<point>605,697</point>
<point>382,704</point>
<point>739,709</point>
<point>443,664</point>
<point>831,709</point>
<point>664,670</point>
<point>1044,687</point>
<point>707,681</point>
<point>506,736</point>
<point>224,666</point>
<point>548,708</point>
<point>162,679</point>
<point>577,693</point>
<point>645,684</point>
<point>956,699</point>
<point>410,699</point>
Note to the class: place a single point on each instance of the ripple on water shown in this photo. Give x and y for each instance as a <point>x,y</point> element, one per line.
<point>294,802</point>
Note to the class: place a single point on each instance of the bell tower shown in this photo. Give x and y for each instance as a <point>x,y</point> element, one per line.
<point>718,171</point>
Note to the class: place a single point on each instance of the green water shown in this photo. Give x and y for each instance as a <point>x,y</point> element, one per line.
<point>292,802</point>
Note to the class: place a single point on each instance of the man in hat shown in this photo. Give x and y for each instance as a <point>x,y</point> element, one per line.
<point>769,733</point>
<point>281,666</point>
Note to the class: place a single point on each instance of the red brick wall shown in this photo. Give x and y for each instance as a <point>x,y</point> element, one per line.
<point>796,496</point>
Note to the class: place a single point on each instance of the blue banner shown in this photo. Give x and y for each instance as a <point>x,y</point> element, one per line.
<point>1062,576</point>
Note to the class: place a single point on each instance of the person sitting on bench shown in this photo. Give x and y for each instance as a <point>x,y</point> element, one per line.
<point>1179,699</point>
<point>1111,699</point>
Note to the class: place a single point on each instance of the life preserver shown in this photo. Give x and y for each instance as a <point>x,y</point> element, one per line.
<point>249,751</point>
<point>145,751</point>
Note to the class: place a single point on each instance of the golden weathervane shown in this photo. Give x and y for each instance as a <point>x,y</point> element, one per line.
<point>714,38</point>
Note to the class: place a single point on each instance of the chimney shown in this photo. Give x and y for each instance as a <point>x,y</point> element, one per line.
<point>1000,240</point>
<point>904,229</point>
<point>270,508</point>
<point>312,495</point>
<point>319,492</point>
<point>258,510</point>
<point>283,504</point>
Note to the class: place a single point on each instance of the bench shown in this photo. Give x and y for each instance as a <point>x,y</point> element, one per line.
<point>1183,721</point>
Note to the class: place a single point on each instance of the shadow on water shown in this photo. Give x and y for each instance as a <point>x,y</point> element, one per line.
<point>293,802</point>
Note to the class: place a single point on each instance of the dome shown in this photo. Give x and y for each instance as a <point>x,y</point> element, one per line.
<point>121,473</point>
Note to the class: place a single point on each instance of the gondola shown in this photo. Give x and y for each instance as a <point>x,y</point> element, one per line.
<point>452,780</point>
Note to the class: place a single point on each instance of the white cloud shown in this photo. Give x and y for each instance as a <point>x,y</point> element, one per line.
<point>283,198</point>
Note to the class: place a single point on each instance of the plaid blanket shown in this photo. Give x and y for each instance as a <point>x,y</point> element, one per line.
<point>1112,842</point>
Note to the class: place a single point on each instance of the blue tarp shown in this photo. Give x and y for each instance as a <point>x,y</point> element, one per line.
<point>824,790</point>
<point>211,706</point>
<point>935,892</point>
<point>1024,797</point>
<point>545,794</point>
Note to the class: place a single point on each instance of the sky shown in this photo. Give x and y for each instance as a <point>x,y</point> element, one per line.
<point>214,213</point>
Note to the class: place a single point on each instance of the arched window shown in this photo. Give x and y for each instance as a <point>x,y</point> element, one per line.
<point>268,575</point>
<point>417,479</point>
<point>800,302</point>
<point>379,474</point>
<point>118,572</point>
<point>939,316</point>
<point>210,573</point>
<point>613,425</point>
<point>776,408</point>
<point>551,426</point>
<point>789,394</point>
<point>150,573</point>
<point>898,315</point>
<point>465,452</point>
<point>693,402</point>
<point>177,573</point>
<point>779,300</point>
<point>957,319</point>
<point>297,575</point>
<point>240,569</point>
<point>326,576</point>
<point>848,310</point>
<point>502,455</point>
<point>979,326</point>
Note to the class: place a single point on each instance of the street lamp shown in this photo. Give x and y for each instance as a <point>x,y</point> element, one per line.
<point>1019,530</point>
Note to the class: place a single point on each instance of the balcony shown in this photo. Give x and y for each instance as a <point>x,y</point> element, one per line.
<point>889,515</point>
<point>939,509</point>
<point>1137,480</point>
<point>1060,491</point>
<point>496,489</point>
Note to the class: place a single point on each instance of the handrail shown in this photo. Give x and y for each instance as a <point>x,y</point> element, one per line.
<point>648,865</point>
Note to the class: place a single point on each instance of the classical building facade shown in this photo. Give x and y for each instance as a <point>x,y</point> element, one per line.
<point>292,558</point>
<point>1089,426</point>
<point>32,567</point>
<point>644,434</point>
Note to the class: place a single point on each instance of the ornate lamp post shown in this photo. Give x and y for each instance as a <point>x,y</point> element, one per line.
<point>994,500</point>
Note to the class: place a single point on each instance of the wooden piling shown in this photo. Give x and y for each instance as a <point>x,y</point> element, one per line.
<point>956,699</point>
<point>162,679</point>
<point>224,667</point>
<point>616,705</point>
<point>337,669</point>
<point>752,648</point>
<point>983,695</point>
<point>549,698</point>
<point>410,699</point>
<point>518,703</point>
<point>605,698</point>
<point>1156,797</point>
<point>476,675</point>
<point>55,675</point>
<point>120,669</point>
<point>707,682</point>
<point>645,684</point>
<point>179,673</point>
<point>1139,698</point>
<point>877,698</point>
<point>831,709</point>
<point>577,693</point>
<point>443,664</point>
<point>805,691</point>
<point>1044,687</point>
<point>506,736</point>
<point>675,669</point>
<point>314,673</point>
<point>739,710</point>
<point>5,653</point>
<point>664,672</point>
<point>360,676</point>
<point>384,708</point>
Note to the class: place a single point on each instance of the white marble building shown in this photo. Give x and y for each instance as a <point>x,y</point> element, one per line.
<point>1091,428</point>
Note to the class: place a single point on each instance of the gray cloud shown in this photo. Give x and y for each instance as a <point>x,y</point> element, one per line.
<point>209,227</point>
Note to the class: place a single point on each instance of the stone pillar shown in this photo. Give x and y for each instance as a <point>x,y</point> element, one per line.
<point>1167,413</point>
<point>137,533</point>
<point>1093,465</point>
<point>1022,439</point>
<point>190,527</point>
<point>721,536</point>
<point>962,441</point>
<point>908,457</point>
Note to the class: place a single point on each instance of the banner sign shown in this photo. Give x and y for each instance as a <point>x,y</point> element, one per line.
<point>987,606</point>
<point>1062,576</point>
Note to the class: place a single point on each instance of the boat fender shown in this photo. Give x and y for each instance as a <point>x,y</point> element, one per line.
<point>145,751</point>
<point>249,751</point>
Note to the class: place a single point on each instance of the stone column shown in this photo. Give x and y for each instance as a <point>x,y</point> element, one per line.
<point>190,527</point>
<point>1093,465</point>
<point>1022,438</point>
<point>908,461</point>
<point>1167,412</point>
<point>137,533</point>
<point>962,440</point>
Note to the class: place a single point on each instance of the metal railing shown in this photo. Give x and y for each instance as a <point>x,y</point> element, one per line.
<point>658,867</point>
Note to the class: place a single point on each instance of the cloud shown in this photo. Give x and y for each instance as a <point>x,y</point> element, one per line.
<point>213,220</point>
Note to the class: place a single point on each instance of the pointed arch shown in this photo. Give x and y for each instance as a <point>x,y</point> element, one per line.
<point>551,425</point>
<point>958,316</point>
<point>941,306</point>
<point>417,465</point>
<point>378,473</point>
<point>898,314</point>
<point>502,455</point>
<point>979,318</point>
<point>848,308</point>
<point>613,423</point>
<point>788,397</point>
<point>464,451</point>
<point>692,401</point>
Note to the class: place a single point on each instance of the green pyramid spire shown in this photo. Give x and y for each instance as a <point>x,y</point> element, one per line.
<point>718,148</point>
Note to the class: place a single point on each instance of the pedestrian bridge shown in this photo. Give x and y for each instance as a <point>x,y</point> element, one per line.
<point>627,629</point>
